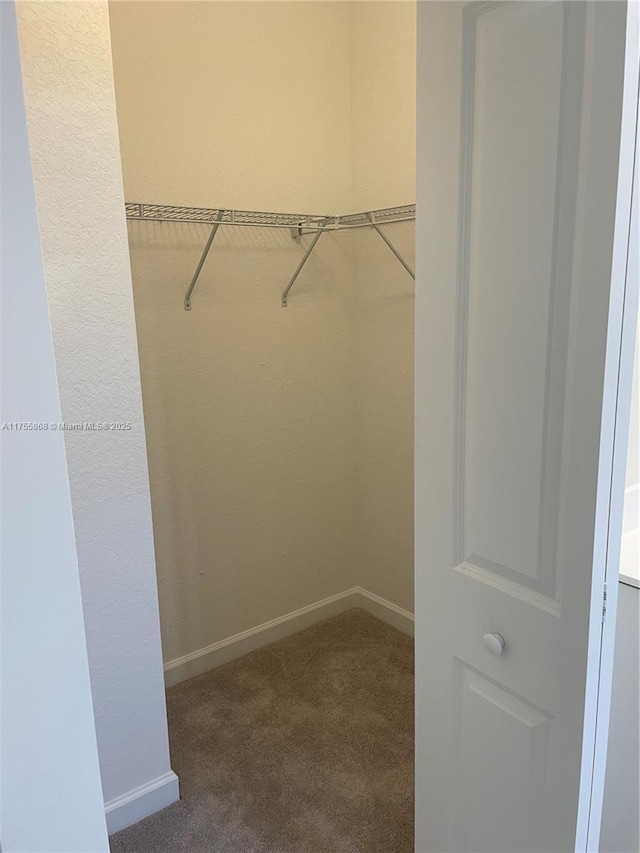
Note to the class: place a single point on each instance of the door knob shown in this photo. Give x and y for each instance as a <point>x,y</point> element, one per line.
<point>494,643</point>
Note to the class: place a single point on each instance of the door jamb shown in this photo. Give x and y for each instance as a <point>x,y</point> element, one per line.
<point>623,312</point>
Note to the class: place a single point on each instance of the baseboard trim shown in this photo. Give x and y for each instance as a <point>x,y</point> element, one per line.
<point>156,795</point>
<point>229,649</point>
<point>386,611</point>
<point>141,802</point>
<point>240,644</point>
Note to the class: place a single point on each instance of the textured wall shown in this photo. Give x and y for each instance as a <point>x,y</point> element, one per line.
<point>384,307</point>
<point>250,421</point>
<point>244,105</point>
<point>69,97</point>
<point>49,776</point>
<point>249,407</point>
<point>272,487</point>
<point>383,79</point>
<point>383,102</point>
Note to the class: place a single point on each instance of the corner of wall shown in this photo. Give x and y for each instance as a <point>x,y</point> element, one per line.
<point>68,85</point>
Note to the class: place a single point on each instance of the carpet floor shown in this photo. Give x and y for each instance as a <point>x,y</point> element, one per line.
<point>304,746</point>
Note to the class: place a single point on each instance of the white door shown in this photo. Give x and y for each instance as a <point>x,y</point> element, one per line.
<point>521,220</point>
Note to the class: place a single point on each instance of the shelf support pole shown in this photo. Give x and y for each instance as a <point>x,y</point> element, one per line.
<point>203,258</point>
<point>312,245</point>
<point>392,247</point>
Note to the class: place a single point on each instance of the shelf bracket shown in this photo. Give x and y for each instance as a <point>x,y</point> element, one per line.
<point>305,258</point>
<point>391,246</point>
<point>203,258</point>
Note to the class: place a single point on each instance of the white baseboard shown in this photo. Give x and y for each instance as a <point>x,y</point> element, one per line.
<point>135,805</point>
<point>156,795</point>
<point>203,660</point>
<point>386,611</point>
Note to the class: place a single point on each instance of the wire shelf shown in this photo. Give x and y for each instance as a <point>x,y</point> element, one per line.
<point>298,223</point>
<point>263,219</point>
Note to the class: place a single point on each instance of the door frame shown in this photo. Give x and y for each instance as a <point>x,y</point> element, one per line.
<point>616,409</point>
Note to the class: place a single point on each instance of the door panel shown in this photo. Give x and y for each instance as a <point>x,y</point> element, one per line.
<point>502,741</point>
<point>519,116</point>
<point>508,289</point>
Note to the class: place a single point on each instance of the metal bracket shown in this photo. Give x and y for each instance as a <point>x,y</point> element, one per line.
<point>317,225</point>
<point>391,246</point>
<point>305,258</point>
<point>203,258</point>
<point>324,227</point>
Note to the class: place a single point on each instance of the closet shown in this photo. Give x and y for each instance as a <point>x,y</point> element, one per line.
<point>279,439</point>
<point>268,157</point>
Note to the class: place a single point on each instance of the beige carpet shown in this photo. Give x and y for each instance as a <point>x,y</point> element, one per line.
<point>305,746</point>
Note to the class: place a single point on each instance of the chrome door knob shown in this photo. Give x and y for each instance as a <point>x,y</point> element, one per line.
<point>494,643</point>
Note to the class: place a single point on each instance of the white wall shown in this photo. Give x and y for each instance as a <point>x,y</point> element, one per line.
<point>241,105</point>
<point>249,407</point>
<point>51,795</point>
<point>281,468</point>
<point>383,102</point>
<point>384,397</point>
<point>620,831</point>
<point>383,80</point>
<point>249,413</point>
<point>70,105</point>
